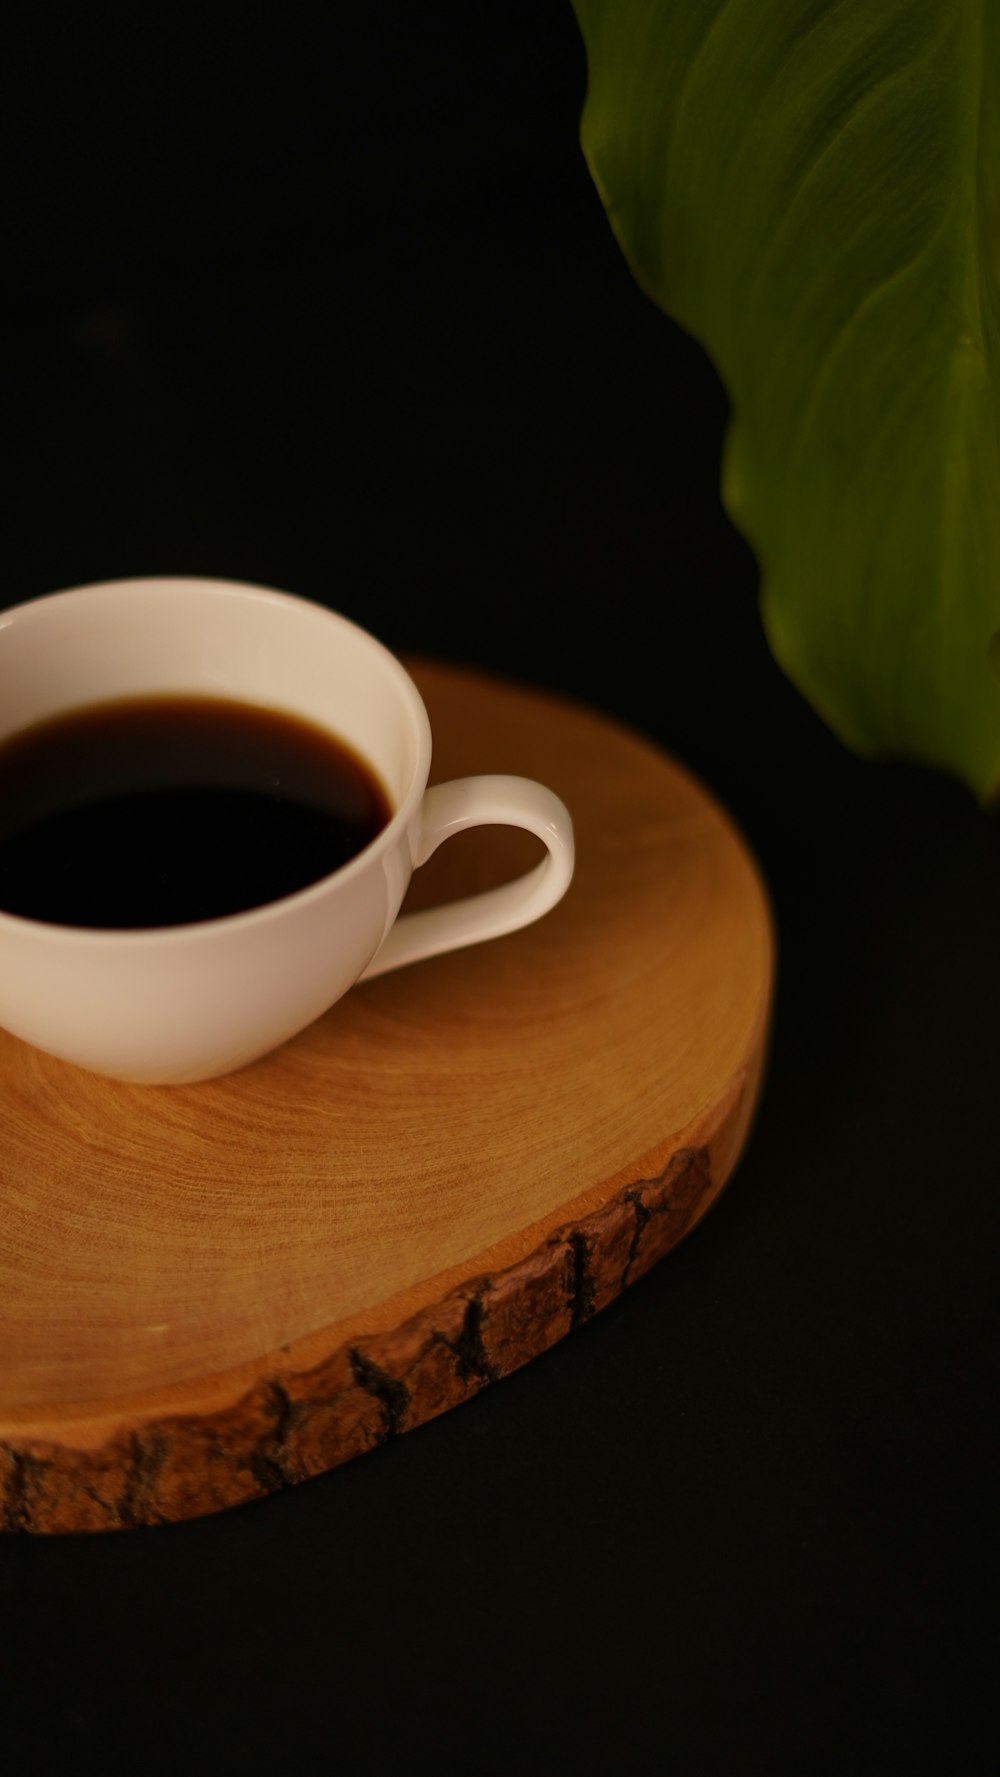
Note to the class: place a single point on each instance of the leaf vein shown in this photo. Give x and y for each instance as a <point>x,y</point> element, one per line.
<point>841,338</point>
<point>800,192</point>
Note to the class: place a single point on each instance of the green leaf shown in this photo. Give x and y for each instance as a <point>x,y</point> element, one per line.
<point>812,188</point>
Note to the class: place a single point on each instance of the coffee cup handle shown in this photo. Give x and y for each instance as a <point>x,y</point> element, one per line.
<point>476,802</point>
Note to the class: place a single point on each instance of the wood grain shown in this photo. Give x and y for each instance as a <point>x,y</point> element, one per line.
<point>210,1292</point>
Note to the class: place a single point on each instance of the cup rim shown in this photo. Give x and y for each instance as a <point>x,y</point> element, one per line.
<point>203,930</point>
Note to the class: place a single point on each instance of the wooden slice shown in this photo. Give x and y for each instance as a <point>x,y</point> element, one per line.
<point>209,1292</point>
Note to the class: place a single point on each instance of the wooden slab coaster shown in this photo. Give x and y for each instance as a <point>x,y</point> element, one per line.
<point>209,1292</point>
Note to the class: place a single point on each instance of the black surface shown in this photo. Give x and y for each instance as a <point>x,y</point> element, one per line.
<point>335,308</point>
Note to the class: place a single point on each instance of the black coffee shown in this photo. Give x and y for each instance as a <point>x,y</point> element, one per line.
<point>156,811</point>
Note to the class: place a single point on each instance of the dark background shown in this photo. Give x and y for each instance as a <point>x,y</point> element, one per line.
<point>331,305</point>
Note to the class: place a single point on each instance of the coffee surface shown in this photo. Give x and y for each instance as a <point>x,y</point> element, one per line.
<point>157,811</point>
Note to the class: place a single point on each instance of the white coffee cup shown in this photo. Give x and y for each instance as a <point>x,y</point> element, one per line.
<point>189,1002</point>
